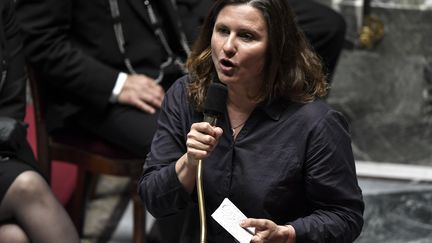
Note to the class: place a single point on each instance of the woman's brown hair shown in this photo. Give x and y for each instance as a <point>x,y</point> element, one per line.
<point>293,71</point>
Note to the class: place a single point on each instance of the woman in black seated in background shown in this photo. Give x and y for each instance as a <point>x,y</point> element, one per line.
<point>281,155</point>
<point>29,212</point>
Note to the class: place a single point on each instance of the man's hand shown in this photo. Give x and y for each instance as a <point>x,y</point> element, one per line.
<point>266,231</point>
<point>142,92</point>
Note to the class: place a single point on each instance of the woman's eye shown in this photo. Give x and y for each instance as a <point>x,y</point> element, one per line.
<point>246,36</point>
<point>223,30</point>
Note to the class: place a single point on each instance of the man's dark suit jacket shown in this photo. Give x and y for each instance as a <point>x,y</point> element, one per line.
<point>12,87</point>
<point>13,84</point>
<point>71,44</point>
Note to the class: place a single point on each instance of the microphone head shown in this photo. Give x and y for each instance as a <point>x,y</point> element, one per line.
<point>215,101</point>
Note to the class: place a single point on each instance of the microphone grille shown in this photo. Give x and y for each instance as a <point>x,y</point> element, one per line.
<point>215,101</point>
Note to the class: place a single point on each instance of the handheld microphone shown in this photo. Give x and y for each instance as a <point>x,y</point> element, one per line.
<point>214,106</point>
<point>215,102</point>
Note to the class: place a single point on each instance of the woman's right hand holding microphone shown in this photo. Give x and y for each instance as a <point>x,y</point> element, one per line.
<point>201,140</point>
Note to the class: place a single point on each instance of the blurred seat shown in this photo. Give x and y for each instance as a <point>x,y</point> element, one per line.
<point>63,175</point>
<point>92,157</point>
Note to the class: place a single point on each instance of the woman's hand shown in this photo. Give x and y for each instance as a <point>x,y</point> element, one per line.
<point>266,231</point>
<point>201,140</point>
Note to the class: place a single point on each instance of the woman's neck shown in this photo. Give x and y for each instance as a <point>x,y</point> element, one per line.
<point>239,109</point>
<point>241,100</point>
<point>242,105</point>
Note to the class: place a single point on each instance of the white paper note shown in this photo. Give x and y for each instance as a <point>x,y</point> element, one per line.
<point>229,217</point>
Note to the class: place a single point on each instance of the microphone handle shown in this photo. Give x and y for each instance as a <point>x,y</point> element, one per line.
<point>201,201</point>
<point>210,119</point>
<point>201,204</point>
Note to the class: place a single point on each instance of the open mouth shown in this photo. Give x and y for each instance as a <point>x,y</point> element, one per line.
<point>227,63</point>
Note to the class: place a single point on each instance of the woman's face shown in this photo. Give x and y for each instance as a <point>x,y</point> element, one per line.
<point>239,45</point>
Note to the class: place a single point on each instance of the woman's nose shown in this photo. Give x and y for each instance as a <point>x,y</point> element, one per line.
<point>229,47</point>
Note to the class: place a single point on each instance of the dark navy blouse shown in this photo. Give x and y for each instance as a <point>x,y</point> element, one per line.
<point>291,163</point>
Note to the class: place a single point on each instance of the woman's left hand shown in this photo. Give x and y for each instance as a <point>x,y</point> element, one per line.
<point>266,231</point>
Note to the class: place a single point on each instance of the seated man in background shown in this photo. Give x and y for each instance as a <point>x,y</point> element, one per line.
<point>105,65</point>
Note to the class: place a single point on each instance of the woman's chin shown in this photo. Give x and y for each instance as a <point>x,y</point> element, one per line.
<point>226,79</point>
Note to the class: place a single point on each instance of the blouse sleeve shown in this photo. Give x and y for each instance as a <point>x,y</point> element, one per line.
<point>159,186</point>
<point>331,185</point>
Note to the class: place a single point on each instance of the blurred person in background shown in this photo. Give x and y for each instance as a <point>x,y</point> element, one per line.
<point>105,64</point>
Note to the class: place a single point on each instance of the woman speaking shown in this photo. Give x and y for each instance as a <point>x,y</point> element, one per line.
<point>279,153</point>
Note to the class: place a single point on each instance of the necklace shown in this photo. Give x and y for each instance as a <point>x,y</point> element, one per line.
<point>235,127</point>
<point>239,125</point>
